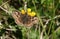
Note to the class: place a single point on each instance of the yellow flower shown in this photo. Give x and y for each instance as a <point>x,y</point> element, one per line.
<point>28,10</point>
<point>32,14</point>
<point>22,11</point>
<point>29,14</point>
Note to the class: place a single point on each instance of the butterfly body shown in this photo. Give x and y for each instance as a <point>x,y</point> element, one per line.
<point>24,19</point>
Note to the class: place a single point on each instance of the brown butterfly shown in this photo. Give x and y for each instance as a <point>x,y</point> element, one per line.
<point>24,20</point>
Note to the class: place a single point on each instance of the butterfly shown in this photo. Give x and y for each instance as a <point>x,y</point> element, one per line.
<point>24,19</point>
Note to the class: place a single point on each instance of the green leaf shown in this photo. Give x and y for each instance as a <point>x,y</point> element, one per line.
<point>42,1</point>
<point>0,2</point>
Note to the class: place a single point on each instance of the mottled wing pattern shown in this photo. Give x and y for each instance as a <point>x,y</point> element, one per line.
<point>24,20</point>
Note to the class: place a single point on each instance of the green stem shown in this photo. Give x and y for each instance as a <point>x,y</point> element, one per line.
<point>38,14</point>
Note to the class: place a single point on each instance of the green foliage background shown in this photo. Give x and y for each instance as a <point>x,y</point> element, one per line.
<point>48,12</point>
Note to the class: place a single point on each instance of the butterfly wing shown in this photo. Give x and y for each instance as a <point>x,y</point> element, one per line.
<point>27,23</point>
